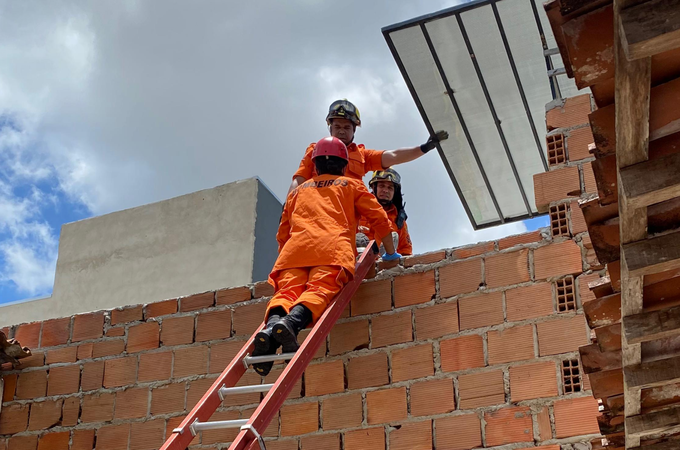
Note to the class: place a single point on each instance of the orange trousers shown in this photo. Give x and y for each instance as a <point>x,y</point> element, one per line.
<point>313,287</point>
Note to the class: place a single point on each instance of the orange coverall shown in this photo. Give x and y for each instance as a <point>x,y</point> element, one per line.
<point>405,246</point>
<point>317,241</point>
<point>361,161</point>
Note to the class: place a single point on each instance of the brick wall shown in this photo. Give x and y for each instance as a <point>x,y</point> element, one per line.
<point>455,349</point>
<point>571,173</point>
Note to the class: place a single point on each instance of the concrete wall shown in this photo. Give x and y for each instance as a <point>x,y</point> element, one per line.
<point>268,217</point>
<point>197,242</point>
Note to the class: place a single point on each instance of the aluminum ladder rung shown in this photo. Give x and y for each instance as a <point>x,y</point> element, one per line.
<point>248,360</point>
<point>277,393</point>
<point>197,426</point>
<point>243,389</point>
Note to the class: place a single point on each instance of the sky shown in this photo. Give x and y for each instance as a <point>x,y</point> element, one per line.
<point>110,105</point>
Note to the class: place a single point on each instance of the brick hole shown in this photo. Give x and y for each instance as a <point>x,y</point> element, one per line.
<point>558,220</point>
<point>566,300</point>
<point>556,153</point>
<point>571,376</point>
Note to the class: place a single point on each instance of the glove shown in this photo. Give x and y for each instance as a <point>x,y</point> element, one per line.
<point>392,257</point>
<point>432,142</point>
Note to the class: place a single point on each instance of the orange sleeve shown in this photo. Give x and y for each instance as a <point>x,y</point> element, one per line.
<point>372,159</point>
<point>306,169</point>
<point>369,208</point>
<point>283,234</point>
<point>405,245</point>
<point>364,223</point>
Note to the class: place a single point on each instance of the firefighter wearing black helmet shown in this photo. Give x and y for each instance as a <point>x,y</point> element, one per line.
<point>342,119</point>
<point>386,186</point>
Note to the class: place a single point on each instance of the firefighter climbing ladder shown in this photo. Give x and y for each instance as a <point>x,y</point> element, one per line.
<point>251,429</point>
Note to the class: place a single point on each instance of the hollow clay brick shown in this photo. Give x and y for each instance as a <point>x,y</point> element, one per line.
<point>529,302</point>
<point>533,381</point>
<point>412,362</point>
<point>54,332</point>
<point>460,277</point>
<point>511,344</point>
<point>372,297</point>
<point>414,288</point>
<point>465,352</point>
<point>437,320</point>
<point>386,405</point>
<point>481,310</point>
<point>459,432</point>
<point>508,425</point>
<point>481,389</point>
<point>506,269</point>
<point>412,436</point>
<point>145,336</point>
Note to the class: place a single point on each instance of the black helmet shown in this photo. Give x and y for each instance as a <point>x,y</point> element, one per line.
<point>392,175</point>
<point>344,109</point>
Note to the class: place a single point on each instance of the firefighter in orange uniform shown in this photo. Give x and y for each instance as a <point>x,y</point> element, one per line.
<point>316,248</point>
<point>343,119</point>
<point>386,186</point>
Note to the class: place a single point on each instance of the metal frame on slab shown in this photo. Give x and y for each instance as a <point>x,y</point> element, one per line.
<point>554,85</point>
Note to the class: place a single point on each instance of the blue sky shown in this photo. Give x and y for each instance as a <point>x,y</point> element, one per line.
<point>111,105</point>
<point>32,209</point>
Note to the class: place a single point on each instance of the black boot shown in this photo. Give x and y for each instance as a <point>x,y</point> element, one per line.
<point>265,344</point>
<point>286,330</point>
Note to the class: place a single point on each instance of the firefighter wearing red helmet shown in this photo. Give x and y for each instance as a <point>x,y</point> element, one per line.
<point>343,118</point>
<point>316,248</point>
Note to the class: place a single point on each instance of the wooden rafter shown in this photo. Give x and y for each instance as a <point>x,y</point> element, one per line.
<point>668,445</point>
<point>652,325</point>
<point>652,255</point>
<point>633,85</point>
<point>655,373</point>
<point>652,181</point>
<point>653,423</point>
<point>650,28</point>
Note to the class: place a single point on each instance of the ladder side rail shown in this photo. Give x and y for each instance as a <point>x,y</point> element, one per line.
<point>208,404</point>
<point>278,394</point>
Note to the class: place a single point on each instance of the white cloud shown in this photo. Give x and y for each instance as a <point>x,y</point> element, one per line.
<point>29,251</point>
<point>123,103</point>
<point>29,266</point>
<point>376,91</point>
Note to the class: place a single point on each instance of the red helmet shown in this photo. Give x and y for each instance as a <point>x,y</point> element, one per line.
<point>330,146</point>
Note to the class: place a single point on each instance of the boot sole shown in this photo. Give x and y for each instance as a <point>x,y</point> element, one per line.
<point>264,345</point>
<point>286,337</point>
<point>263,342</point>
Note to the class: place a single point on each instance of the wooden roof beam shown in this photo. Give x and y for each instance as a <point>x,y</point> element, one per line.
<point>652,374</point>
<point>652,255</point>
<point>650,28</point>
<point>652,325</point>
<point>632,101</point>
<point>667,445</point>
<point>653,181</point>
<point>664,421</point>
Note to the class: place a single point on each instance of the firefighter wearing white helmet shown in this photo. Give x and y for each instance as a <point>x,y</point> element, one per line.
<point>343,118</point>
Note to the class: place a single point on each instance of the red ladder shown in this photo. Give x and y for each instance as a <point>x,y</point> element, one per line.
<point>252,428</point>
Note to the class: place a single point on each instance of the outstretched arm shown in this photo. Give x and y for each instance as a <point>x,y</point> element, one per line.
<point>403,155</point>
